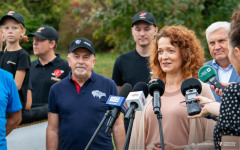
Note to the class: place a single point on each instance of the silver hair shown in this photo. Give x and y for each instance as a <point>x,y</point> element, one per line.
<point>217,25</point>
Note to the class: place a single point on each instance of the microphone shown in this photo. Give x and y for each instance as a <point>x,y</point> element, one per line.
<point>156,88</point>
<point>136,100</point>
<point>118,104</point>
<point>208,74</point>
<point>191,88</point>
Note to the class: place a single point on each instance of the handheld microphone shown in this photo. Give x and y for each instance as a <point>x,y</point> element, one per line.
<point>156,89</point>
<point>118,104</point>
<point>191,88</point>
<point>208,74</point>
<point>136,100</point>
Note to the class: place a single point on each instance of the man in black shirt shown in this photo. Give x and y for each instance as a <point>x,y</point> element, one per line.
<point>132,67</point>
<point>48,69</point>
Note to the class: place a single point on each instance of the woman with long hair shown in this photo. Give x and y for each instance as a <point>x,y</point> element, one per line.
<point>176,55</point>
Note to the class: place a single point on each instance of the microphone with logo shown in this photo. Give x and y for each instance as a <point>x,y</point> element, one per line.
<point>118,104</point>
<point>156,88</point>
<point>191,88</point>
<point>208,74</point>
<point>136,101</point>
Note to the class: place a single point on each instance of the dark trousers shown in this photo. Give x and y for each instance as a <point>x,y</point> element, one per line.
<point>36,113</point>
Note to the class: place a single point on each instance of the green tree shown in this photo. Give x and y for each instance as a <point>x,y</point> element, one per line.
<point>113,18</point>
<point>36,13</point>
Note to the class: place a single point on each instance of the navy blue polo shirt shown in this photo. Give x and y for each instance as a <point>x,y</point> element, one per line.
<point>81,113</point>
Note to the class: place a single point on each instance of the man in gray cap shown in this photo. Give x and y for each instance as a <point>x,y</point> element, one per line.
<point>77,104</point>
<point>132,67</point>
<point>46,70</point>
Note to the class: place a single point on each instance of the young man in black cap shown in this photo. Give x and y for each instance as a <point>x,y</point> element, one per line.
<point>48,69</point>
<point>77,104</point>
<point>132,67</point>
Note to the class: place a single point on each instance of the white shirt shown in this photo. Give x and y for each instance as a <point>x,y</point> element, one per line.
<point>223,74</point>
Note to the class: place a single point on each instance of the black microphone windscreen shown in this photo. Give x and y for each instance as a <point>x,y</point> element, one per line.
<point>125,90</point>
<point>141,86</point>
<point>156,84</point>
<point>191,83</point>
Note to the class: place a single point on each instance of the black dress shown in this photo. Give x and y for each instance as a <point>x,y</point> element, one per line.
<point>229,119</point>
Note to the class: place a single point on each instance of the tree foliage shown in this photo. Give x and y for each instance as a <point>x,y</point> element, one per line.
<point>113,18</point>
<point>36,13</point>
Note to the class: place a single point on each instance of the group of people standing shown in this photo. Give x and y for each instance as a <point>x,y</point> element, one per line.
<point>74,96</point>
<point>32,79</point>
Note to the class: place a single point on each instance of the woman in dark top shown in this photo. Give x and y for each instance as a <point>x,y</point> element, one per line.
<point>228,126</point>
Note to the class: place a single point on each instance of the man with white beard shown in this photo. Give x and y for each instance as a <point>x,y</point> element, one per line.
<point>78,103</point>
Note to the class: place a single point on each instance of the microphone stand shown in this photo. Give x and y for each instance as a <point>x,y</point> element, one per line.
<point>159,117</point>
<point>106,115</point>
<point>156,109</point>
<point>129,131</point>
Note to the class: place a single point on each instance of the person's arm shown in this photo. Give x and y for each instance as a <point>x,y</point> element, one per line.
<point>19,78</point>
<point>29,100</point>
<point>13,120</point>
<point>119,132</point>
<point>52,132</point>
<point>209,107</point>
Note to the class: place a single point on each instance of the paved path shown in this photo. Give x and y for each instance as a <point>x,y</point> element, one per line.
<point>31,137</point>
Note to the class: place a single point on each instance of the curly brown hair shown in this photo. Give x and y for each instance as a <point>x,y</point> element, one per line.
<point>190,47</point>
<point>234,34</point>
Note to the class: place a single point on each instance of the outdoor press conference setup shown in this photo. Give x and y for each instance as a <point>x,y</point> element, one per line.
<point>128,101</point>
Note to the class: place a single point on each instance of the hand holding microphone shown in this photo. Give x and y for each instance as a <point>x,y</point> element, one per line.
<point>219,92</point>
<point>209,108</point>
<point>208,74</point>
<point>191,88</point>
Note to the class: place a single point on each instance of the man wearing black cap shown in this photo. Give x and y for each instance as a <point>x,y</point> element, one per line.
<point>48,69</point>
<point>77,104</point>
<point>132,67</point>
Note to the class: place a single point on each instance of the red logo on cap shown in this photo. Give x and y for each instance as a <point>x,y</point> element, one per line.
<point>10,12</point>
<point>40,29</point>
<point>57,73</point>
<point>143,14</point>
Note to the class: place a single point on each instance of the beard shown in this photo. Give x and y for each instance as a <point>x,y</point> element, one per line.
<point>80,70</point>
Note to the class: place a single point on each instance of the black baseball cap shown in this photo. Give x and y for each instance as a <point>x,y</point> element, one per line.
<point>144,16</point>
<point>82,43</point>
<point>46,32</point>
<point>13,15</point>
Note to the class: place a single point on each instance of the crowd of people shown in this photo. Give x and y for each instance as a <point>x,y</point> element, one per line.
<point>72,97</point>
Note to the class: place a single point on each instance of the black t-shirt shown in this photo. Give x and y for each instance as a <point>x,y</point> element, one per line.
<point>43,77</point>
<point>131,68</point>
<point>12,61</point>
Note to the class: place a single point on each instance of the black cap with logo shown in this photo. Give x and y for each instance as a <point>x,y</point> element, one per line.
<point>82,43</point>
<point>46,32</point>
<point>144,16</point>
<point>13,15</point>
